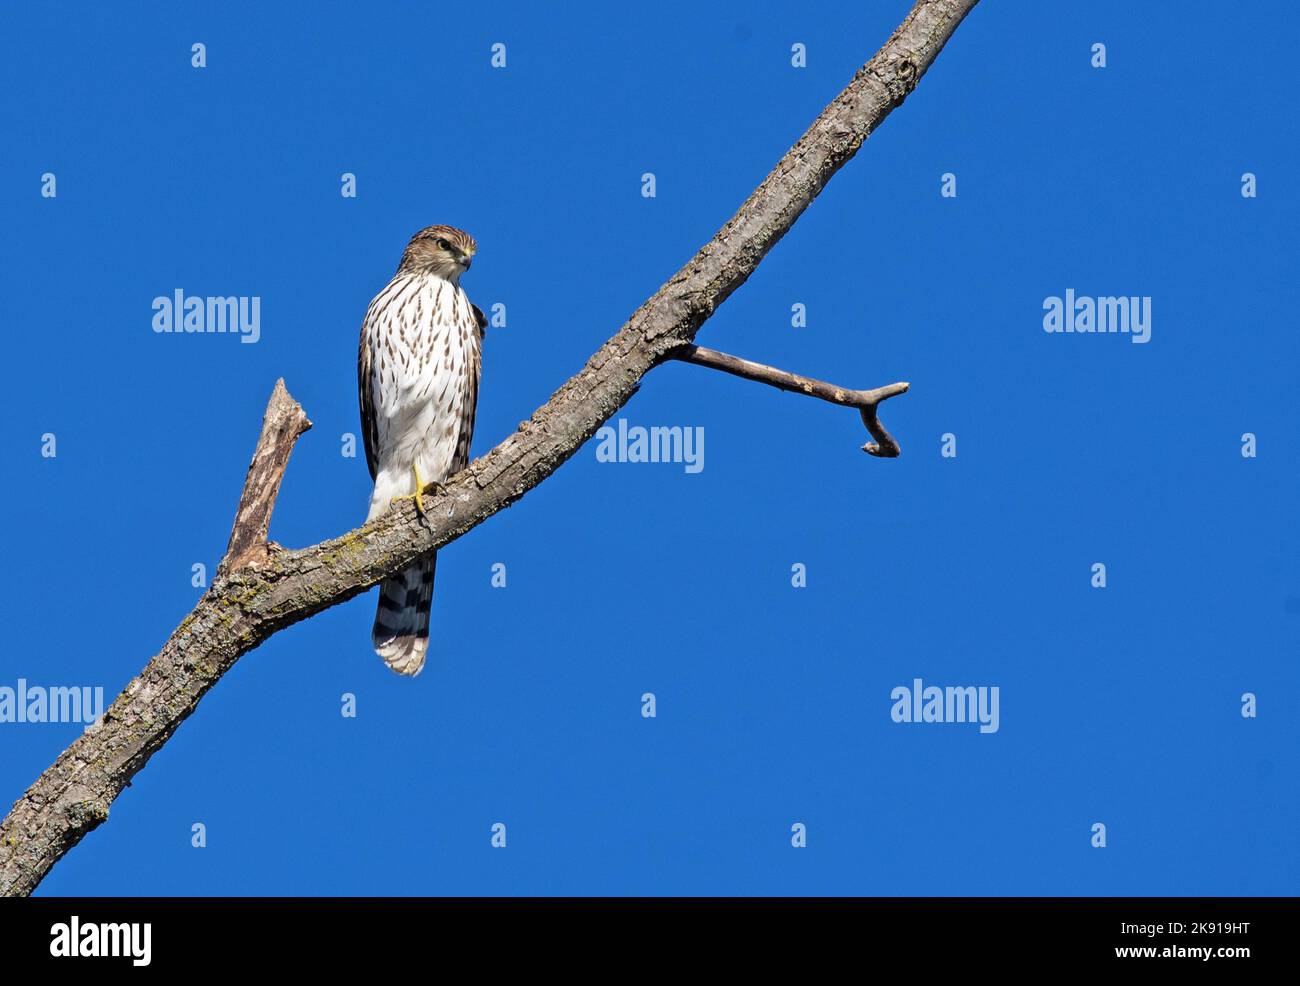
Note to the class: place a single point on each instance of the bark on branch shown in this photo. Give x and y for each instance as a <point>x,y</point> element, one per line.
<point>247,602</point>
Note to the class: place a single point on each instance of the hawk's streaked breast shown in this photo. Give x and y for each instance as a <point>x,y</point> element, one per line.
<point>420,361</point>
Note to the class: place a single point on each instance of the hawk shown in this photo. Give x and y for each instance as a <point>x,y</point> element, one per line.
<point>417,377</point>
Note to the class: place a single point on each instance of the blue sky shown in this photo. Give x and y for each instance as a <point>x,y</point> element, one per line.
<point>1119,705</point>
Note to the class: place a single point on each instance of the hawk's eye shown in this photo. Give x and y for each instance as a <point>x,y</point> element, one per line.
<point>444,245</point>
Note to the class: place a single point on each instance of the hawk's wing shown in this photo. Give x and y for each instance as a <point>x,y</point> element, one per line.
<point>469,408</point>
<point>369,424</point>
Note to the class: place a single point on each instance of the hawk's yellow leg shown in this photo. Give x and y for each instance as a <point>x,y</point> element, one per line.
<point>418,495</point>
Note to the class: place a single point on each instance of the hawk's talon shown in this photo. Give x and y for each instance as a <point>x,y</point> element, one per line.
<point>419,501</point>
<point>418,495</point>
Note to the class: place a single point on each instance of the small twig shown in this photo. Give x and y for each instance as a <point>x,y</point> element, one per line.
<point>866,401</point>
<point>282,426</point>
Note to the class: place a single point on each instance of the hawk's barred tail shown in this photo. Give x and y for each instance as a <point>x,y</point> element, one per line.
<point>401,632</point>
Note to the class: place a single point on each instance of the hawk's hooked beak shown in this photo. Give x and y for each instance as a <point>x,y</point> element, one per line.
<point>466,259</point>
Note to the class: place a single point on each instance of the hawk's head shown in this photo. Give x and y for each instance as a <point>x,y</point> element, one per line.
<point>442,251</point>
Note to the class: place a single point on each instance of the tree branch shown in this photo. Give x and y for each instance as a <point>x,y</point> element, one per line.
<point>282,425</point>
<point>246,605</point>
<point>864,400</point>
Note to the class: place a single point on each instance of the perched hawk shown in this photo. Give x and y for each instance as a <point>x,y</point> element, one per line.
<point>417,372</point>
